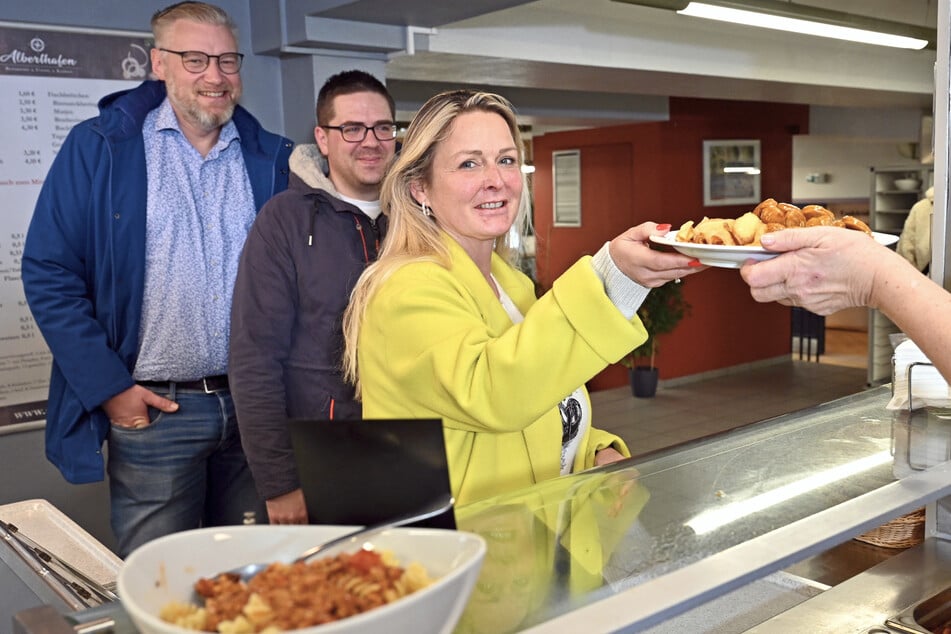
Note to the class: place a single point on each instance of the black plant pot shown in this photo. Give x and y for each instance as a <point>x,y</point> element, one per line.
<point>643,381</point>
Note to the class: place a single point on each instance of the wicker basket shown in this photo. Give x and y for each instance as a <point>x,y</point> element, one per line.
<point>901,532</point>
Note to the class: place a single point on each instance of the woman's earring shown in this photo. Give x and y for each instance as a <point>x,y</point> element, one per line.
<point>426,210</point>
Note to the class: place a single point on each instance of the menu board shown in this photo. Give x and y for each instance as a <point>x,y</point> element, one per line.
<point>51,78</point>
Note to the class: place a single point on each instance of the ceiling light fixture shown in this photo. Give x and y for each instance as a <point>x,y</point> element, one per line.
<point>797,25</point>
<point>741,170</point>
<point>803,19</point>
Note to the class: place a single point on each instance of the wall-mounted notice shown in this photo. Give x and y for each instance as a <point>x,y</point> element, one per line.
<point>51,78</point>
<point>566,181</point>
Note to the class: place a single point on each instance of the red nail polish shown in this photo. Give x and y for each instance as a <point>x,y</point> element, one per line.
<point>694,263</point>
<point>663,227</point>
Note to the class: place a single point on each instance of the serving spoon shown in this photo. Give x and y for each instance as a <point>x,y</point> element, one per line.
<point>440,505</point>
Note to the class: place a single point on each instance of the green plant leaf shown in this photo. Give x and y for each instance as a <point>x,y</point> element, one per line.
<point>660,313</point>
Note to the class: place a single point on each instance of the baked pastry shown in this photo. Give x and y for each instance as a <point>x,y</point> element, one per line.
<point>745,228</point>
<point>766,217</point>
<point>851,222</point>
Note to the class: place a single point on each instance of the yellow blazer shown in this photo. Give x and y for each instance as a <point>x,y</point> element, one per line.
<point>581,518</point>
<point>437,343</point>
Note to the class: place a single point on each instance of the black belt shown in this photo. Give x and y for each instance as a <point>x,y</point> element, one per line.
<point>208,385</point>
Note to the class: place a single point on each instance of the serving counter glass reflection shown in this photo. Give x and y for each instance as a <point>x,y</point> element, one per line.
<point>698,537</point>
<point>634,545</point>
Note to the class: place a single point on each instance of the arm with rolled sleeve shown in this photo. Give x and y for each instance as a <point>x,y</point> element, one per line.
<point>623,292</point>
<point>426,343</point>
<point>436,342</point>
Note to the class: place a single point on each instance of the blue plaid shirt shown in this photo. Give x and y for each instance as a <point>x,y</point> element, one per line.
<point>199,212</point>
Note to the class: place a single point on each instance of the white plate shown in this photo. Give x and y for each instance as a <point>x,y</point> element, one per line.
<point>728,257</point>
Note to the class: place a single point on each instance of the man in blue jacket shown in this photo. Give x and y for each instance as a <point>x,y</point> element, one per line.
<point>129,266</point>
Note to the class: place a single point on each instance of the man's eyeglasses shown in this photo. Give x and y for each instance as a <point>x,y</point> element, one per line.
<point>197,62</point>
<point>356,132</point>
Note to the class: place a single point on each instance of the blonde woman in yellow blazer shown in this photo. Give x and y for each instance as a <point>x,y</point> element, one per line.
<point>444,326</point>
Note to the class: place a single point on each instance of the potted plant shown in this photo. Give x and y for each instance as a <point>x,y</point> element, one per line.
<point>660,313</point>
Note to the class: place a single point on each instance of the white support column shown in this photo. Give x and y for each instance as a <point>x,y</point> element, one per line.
<point>940,248</point>
<point>938,518</point>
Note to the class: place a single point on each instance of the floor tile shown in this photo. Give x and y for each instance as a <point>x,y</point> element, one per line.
<point>688,410</point>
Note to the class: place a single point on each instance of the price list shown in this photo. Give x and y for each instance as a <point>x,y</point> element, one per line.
<point>40,112</point>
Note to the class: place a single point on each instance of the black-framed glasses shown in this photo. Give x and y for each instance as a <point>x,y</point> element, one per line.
<point>356,132</point>
<point>197,62</point>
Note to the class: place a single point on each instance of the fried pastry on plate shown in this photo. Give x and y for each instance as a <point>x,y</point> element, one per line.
<point>745,228</point>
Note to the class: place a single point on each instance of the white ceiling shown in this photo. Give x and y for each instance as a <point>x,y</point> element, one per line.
<point>577,63</point>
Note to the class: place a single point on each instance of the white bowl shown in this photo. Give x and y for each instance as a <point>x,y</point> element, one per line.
<point>165,570</point>
<point>907,184</point>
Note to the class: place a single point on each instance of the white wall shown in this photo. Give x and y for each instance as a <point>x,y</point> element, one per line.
<point>901,124</point>
<point>846,160</point>
<point>844,143</point>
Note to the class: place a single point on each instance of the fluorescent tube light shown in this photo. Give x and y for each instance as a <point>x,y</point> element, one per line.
<point>796,25</point>
<point>741,170</point>
<point>713,519</point>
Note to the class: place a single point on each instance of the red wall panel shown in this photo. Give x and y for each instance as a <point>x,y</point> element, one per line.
<point>654,171</point>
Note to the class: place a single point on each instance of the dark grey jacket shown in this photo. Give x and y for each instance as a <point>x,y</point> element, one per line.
<point>302,258</point>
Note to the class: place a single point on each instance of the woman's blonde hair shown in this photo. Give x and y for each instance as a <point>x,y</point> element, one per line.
<point>412,235</point>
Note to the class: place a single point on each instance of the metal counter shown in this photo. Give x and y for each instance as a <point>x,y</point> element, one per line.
<point>41,551</point>
<point>633,545</point>
<point>866,602</point>
<point>642,544</point>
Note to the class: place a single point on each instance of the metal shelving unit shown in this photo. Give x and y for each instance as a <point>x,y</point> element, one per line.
<point>888,208</point>
<point>888,205</point>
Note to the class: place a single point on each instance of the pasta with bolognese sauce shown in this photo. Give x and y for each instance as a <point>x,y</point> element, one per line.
<point>291,596</point>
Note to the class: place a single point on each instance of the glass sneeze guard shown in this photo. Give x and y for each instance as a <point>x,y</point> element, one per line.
<point>639,541</point>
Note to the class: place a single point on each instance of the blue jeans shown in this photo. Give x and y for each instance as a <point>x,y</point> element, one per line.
<point>185,470</point>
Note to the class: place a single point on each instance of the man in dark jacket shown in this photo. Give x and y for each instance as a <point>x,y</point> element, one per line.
<point>301,260</point>
<point>128,268</point>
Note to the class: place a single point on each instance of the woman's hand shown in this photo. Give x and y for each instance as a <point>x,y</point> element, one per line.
<point>822,269</point>
<point>648,267</point>
<point>607,456</point>
<point>826,269</point>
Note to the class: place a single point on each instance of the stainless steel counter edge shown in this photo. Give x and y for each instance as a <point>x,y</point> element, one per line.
<point>872,597</point>
<point>659,599</point>
<point>17,428</point>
